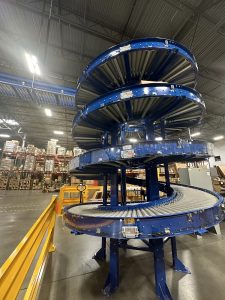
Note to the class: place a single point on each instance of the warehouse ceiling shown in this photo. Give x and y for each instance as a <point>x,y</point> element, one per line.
<point>65,35</point>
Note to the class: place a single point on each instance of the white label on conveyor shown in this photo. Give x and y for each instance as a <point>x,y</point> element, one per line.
<point>125,48</point>
<point>127,147</point>
<point>114,53</point>
<point>126,94</point>
<point>127,153</point>
<point>130,232</point>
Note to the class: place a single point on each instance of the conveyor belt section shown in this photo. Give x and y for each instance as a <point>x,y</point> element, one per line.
<point>178,107</point>
<point>151,59</point>
<point>140,154</point>
<point>195,208</point>
<point>36,91</point>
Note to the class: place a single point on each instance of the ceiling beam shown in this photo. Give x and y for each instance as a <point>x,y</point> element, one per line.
<point>193,18</point>
<point>78,54</point>
<point>61,19</point>
<point>26,40</point>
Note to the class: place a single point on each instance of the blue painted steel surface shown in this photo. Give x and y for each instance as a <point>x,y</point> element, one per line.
<point>122,108</point>
<point>154,227</point>
<point>118,67</point>
<point>112,281</point>
<point>177,264</point>
<point>160,274</point>
<point>167,97</point>
<point>101,254</point>
<point>140,44</point>
<point>141,91</point>
<point>141,150</point>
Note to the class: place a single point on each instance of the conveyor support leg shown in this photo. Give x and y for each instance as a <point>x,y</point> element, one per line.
<point>101,254</point>
<point>177,264</point>
<point>162,290</point>
<point>112,281</point>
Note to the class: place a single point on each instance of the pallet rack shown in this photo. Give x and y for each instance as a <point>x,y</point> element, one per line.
<point>35,174</point>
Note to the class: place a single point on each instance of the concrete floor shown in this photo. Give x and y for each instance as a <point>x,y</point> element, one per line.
<point>71,273</point>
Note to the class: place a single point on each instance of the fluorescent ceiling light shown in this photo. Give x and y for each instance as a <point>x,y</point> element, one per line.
<point>195,134</point>
<point>9,122</point>
<point>133,140</point>
<point>158,139</point>
<point>48,112</point>
<point>32,64</point>
<point>4,135</point>
<point>58,132</point>
<point>54,140</point>
<point>218,138</point>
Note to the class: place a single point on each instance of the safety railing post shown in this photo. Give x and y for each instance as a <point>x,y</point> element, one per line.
<point>37,243</point>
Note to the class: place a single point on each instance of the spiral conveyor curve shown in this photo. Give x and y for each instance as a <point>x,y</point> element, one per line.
<point>141,89</point>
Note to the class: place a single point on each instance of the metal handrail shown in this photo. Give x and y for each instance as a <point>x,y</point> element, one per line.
<point>14,270</point>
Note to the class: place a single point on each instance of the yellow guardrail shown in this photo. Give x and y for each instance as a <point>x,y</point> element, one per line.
<point>71,195</point>
<point>16,267</point>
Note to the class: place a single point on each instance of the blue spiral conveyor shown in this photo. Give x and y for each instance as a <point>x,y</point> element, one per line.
<point>140,90</point>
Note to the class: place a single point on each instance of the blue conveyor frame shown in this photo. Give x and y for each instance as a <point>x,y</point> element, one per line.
<point>109,79</point>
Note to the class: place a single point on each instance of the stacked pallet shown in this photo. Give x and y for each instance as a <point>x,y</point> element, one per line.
<point>61,151</point>
<point>36,184</point>
<point>3,182</point>
<point>11,146</point>
<point>7,164</point>
<point>30,149</point>
<point>29,163</point>
<point>49,165</point>
<point>51,148</point>
<point>14,183</point>
<point>25,184</point>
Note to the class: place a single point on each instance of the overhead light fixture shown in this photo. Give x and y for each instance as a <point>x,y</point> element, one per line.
<point>195,134</point>
<point>133,140</point>
<point>158,139</point>
<point>218,138</point>
<point>54,140</point>
<point>58,132</point>
<point>48,112</point>
<point>3,135</point>
<point>32,64</point>
<point>9,122</point>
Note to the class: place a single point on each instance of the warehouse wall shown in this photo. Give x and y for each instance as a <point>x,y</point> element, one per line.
<point>219,150</point>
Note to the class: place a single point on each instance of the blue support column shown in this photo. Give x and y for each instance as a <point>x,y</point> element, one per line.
<point>166,166</point>
<point>152,186</point>
<point>147,179</point>
<point>177,264</point>
<point>160,275</point>
<point>105,192</point>
<point>162,129</point>
<point>122,134</point>
<point>114,189</point>
<point>101,254</point>
<point>105,138</point>
<point>123,186</point>
<point>112,281</point>
<point>149,129</point>
<point>114,138</point>
<point>167,175</point>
